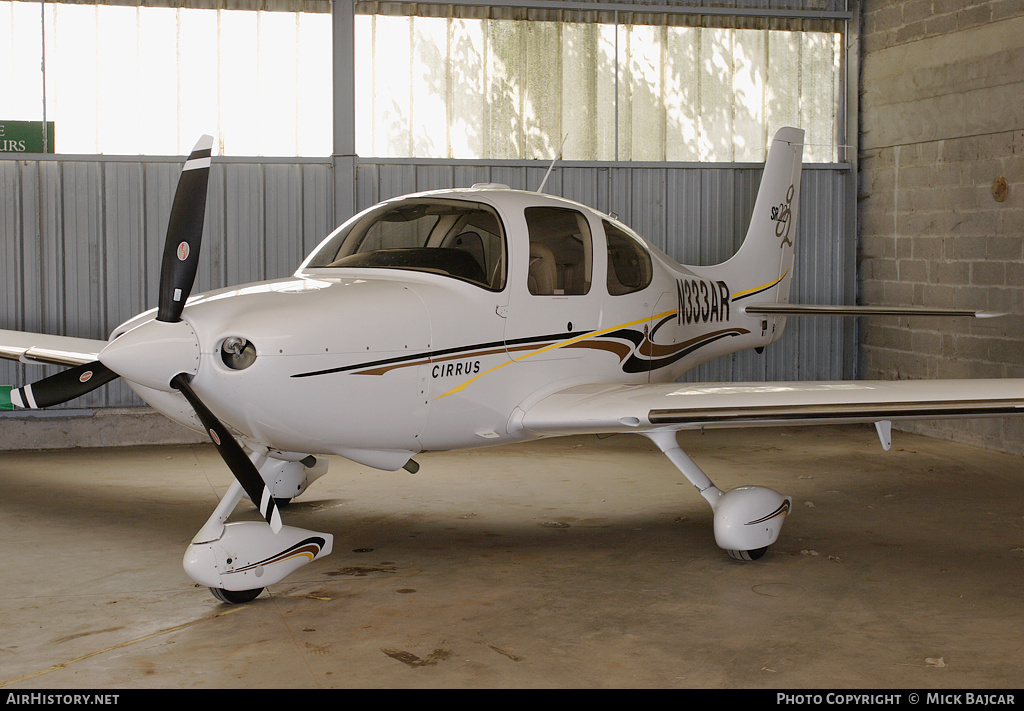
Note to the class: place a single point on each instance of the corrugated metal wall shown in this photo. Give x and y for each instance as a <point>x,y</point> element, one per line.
<point>80,238</point>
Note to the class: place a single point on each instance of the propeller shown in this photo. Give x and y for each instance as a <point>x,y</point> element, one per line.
<point>177,277</point>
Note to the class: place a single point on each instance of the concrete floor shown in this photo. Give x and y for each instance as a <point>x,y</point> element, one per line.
<point>578,562</point>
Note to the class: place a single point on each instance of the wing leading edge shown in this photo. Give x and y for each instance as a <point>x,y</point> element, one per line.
<point>604,408</point>
<point>42,348</point>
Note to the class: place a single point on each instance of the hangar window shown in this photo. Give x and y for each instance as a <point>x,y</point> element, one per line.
<point>151,76</point>
<point>561,252</point>
<point>459,239</point>
<point>509,83</point>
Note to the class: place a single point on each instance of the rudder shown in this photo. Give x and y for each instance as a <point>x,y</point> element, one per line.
<point>762,268</point>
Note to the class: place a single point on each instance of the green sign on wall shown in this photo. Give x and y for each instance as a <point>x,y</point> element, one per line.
<point>25,137</point>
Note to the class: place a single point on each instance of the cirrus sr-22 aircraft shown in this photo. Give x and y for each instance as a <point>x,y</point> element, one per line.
<point>465,318</point>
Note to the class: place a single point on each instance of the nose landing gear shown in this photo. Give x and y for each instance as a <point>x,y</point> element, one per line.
<point>238,560</point>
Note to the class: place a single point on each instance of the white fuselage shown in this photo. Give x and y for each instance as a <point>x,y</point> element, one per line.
<point>377,364</point>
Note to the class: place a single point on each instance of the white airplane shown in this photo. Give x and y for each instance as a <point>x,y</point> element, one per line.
<point>466,318</point>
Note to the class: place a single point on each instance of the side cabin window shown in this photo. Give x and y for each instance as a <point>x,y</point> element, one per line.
<point>561,252</point>
<point>629,262</point>
<point>460,239</point>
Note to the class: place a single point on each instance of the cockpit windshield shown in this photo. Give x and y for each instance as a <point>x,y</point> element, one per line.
<point>456,238</point>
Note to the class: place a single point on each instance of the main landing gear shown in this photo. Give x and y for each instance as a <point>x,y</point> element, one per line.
<point>238,560</point>
<point>748,519</point>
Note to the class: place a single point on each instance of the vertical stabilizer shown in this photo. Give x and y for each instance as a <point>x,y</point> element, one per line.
<point>762,269</point>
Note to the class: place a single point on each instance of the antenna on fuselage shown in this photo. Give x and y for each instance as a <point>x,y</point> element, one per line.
<point>552,166</point>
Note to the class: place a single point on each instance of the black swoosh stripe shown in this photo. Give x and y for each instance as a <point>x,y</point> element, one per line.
<point>640,365</point>
<point>445,352</point>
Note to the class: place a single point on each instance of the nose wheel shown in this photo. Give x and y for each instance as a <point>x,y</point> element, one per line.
<point>755,554</point>
<point>236,597</point>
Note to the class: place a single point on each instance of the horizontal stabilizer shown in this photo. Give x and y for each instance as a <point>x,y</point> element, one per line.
<point>842,310</point>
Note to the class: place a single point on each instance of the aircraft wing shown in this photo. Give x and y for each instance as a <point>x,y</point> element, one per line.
<point>42,348</point>
<point>607,408</point>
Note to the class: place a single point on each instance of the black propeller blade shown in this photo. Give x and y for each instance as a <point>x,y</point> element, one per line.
<point>184,233</point>
<point>64,386</point>
<point>239,464</point>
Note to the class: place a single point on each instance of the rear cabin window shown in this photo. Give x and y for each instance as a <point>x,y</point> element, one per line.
<point>454,238</point>
<point>561,252</point>
<point>629,263</point>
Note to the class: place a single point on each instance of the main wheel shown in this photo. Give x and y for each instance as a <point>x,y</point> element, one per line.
<point>235,597</point>
<point>749,555</point>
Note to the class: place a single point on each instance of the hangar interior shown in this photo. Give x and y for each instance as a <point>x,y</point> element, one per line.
<point>561,563</point>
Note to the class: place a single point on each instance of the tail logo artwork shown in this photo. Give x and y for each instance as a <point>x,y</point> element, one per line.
<point>781,214</point>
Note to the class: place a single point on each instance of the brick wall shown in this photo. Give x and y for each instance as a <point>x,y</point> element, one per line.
<point>942,118</point>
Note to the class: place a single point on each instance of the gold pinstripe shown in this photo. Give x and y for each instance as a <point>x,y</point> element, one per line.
<point>770,284</point>
<point>560,344</point>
